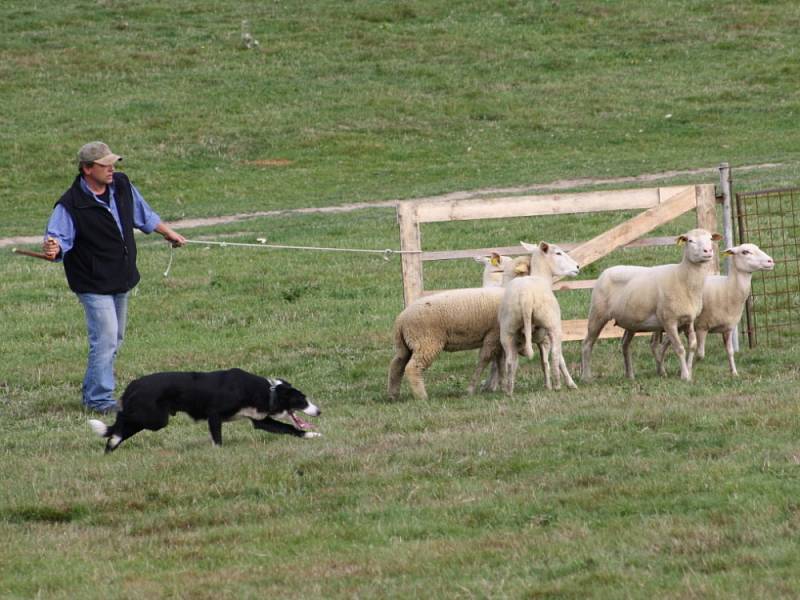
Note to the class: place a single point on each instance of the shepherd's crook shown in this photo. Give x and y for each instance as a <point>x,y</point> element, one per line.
<point>32,253</point>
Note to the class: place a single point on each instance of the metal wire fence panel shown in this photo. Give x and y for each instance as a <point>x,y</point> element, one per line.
<point>771,220</point>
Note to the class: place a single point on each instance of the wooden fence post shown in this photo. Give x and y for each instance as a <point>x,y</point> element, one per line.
<point>707,213</point>
<point>410,243</point>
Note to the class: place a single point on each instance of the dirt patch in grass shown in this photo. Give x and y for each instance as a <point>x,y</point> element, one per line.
<point>269,162</point>
<point>561,184</point>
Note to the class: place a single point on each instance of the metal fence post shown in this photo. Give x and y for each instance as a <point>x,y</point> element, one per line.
<point>727,227</point>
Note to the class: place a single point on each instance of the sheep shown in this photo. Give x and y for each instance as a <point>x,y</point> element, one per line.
<point>517,267</point>
<point>520,267</point>
<point>452,320</point>
<point>461,319</point>
<point>724,297</point>
<point>494,267</point>
<point>665,298</point>
<point>529,305</point>
<point>606,288</point>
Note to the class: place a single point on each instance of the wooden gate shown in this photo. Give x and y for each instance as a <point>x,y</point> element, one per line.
<point>661,205</point>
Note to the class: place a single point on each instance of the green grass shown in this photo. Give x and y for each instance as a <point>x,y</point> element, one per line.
<point>375,100</point>
<point>652,488</point>
<point>647,488</point>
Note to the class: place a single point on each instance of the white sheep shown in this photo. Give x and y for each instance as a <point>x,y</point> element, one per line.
<point>666,297</point>
<point>530,307</point>
<point>494,266</point>
<point>448,321</point>
<point>516,267</point>
<point>724,297</point>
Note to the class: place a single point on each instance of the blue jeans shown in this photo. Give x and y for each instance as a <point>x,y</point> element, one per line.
<point>106,316</point>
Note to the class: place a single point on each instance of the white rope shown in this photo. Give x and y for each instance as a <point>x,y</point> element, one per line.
<point>262,244</point>
<point>169,264</point>
<point>387,252</point>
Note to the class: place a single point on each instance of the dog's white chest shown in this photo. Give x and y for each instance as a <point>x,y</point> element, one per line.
<point>250,413</point>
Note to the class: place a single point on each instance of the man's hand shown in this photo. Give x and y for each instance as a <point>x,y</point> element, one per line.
<point>51,248</point>
<point>172,236</point>
<point>176,239</point>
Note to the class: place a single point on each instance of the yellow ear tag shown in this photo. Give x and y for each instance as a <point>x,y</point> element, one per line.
<point>495,260</point>
<point>727,253</point>
<point>681,241</point>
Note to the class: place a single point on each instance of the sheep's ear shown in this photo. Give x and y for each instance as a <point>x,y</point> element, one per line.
<point>528,247</point>
<point>716,237</point>
<point>495,259</point>
<point>728,252</point>
<point>681,240</point>
<point>544,247</point>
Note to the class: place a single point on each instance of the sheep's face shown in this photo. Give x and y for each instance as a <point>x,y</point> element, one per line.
<point>698,245</point>
<point>494,263</point>
<point>494,267</point>
<point>749,258</point>
<point>561,264</point>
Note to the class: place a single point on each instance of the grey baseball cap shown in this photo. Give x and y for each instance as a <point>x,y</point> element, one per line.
<point>97,152</point>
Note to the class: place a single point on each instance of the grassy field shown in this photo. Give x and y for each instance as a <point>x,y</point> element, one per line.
<point>652,488</point>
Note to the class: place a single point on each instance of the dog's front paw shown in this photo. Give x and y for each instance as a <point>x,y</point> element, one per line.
<point>311,434</point>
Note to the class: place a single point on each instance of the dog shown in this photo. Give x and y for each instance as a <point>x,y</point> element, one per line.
<point>217,397</point>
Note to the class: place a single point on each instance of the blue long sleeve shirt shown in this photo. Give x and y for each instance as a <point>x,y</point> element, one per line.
<point>61,228</point>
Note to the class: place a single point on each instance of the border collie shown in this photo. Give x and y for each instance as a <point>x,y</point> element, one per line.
<point>217,397</point>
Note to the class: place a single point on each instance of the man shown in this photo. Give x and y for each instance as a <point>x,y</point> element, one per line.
<point>91,230</point>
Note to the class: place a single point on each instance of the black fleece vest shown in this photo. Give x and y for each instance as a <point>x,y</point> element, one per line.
<point>101,260</point>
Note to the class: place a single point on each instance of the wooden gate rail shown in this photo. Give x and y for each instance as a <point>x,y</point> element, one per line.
<point>661,205</point>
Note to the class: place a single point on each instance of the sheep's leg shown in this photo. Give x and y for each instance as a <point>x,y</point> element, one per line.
<point>508,342</point>
<point>511,364</point>
<point>691,338</point>
<point>396,368</point>
<point>594,327</point>
<point>567,377</point>
<point>497,371</point>
<point>727,337</point>
<point>555,358</point>
<point>476,375</point>
<point>701,343</point>
<point>490,384</point>
<point>627,361</point>
<point>499,366</point>
<point>544,356</point>
<point>527,331</point>
<point>659,350</point>
<point>415,369</point>
<point>485,356</point>
<point>664,349</point>
<point>671,330</point>
<point>544,360</point>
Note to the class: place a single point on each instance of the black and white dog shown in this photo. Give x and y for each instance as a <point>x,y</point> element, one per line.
<point>217,397</point>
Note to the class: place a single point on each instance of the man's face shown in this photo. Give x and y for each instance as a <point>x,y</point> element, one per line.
<point>100,175</point>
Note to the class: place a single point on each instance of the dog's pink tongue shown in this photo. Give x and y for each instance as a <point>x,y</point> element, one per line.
<point>300,423</point>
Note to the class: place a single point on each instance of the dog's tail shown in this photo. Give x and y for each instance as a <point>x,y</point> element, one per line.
<point>108,431</point>
<point>100,428</point>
